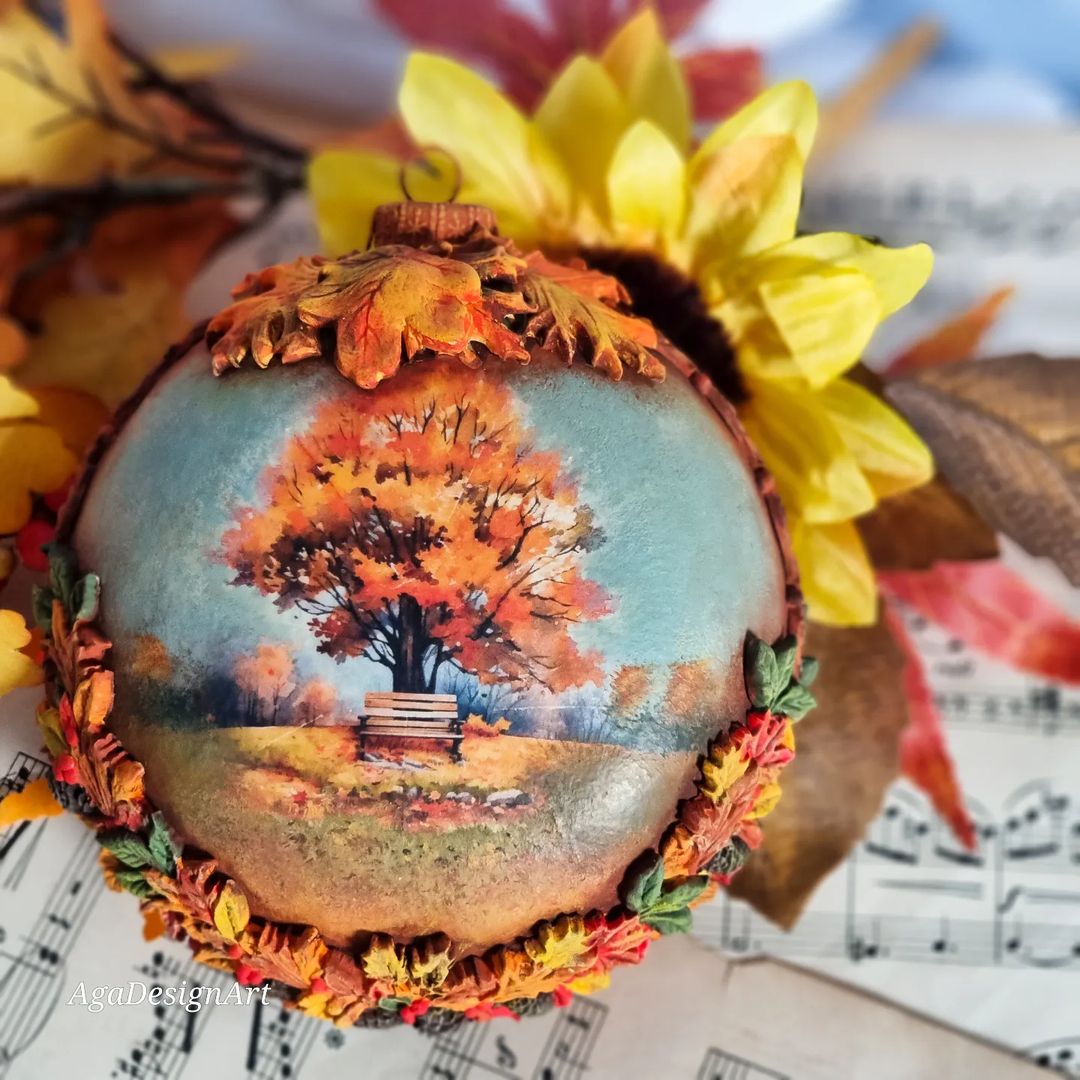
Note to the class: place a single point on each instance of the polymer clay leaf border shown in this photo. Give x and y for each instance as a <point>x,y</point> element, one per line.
<point>373,310</point>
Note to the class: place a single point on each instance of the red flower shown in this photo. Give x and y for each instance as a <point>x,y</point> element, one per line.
<point>28,541</point>
<point>410,1012</point>
<point>562,996</point>
<point>318,986</point>
<point>246,975</point>
<point>65,769</point>
<point>487,1011</point>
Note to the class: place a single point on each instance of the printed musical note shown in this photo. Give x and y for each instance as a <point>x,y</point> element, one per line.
<point>174,1030</point>
<point>1061,1055</point>
<point>280,1041</point>
<point>719,1065</point>
<point>573,1037</point>
<point>21,772</point>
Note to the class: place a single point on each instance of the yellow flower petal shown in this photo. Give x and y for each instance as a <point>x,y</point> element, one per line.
<point>896,274</point>
<point>583,116</point>
<point>646,187</point>
<point>818,478</point>
<point>789,108</point>
<point>837,578</point>
<point>15,404</point>
<point>506,163</point>
<point>346,186</point>
<point>650,78</point>
<point>744,198</point>
<point>892,457</point>
<point>825,319</point>
<point>16,668</point>
<point>32,458</point>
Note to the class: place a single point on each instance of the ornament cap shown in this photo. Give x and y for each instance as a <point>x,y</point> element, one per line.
<point>418,223</point>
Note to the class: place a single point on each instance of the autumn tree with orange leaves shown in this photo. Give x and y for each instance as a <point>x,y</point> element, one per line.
<point>420,528</point>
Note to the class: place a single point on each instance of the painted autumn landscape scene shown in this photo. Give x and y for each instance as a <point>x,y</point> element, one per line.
<point>439,558</point>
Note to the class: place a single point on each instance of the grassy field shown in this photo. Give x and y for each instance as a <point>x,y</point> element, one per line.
<point>410,844</point>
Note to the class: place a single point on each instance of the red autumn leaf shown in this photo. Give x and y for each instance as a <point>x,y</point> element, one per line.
<point>996,612</point>
<point>924,756</point>
<point>722,80</point>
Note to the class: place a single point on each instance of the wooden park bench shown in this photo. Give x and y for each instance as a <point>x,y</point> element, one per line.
<point>412,716</point>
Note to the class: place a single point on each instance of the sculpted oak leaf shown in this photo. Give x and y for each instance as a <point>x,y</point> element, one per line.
<point>558,945</point>
<point>576,313</point>
<point>384,306</point>
<point>231,912</point>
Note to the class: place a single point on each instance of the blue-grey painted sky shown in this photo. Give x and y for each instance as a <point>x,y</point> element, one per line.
<point>688,552</point>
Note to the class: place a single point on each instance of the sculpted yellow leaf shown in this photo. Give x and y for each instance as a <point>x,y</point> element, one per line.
<point>35,801</point>
<point>429,961</point>
<point>383,961</point>
<point>560,944</point>
<point>231,912</point>
<point>766,801</point>
<point>721,769</point>
<point>105,343</point>
<point>33,458</point>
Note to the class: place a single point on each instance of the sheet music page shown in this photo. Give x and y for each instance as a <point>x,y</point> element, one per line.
<point>989,943</point>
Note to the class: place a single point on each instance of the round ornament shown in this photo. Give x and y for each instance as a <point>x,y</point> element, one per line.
<point>424,632</point>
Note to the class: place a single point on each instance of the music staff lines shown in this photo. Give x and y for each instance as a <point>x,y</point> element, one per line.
<point>30,987</point>
<point>1044,710</point>
<point>279,1042</point>
<point>165,1052</point>
<point>910,892</point>
<point>21,772</point>
<point>477,1050</point>
<point>720,1065</point>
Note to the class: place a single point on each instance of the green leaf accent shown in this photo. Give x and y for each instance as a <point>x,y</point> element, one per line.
<point>795,702</point>
<point>134,882</point>
<point>762,672</point>
<point>127,847</point>
<point>62,573</point>
<point>770,681</point>
<point>675,922</point>
<point>787,650</point>
<point>393,1004</point>
<point>644,889</point>
<point>43,600</point>
<point>162,848</point>
<point>663,908</point>
<point>85,597</point>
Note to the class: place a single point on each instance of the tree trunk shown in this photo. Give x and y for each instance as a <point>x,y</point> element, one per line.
<point>412,644</point>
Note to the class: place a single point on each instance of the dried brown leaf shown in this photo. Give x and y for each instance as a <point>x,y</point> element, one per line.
<point>1005,432</point>
<point>846,755</point>
<point>928,524</point>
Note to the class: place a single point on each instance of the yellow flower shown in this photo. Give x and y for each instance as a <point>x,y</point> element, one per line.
<point>606,162</point>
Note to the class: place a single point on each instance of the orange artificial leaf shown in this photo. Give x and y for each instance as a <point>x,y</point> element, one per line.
<point>104,343</point>
<point>996,612</point>
<point>928,524</point>
<point>153,924</point>
<point>13,343</point>
<point>957,339</point>
<point>576,313</point>
<point>383,305</point>
<point>34,801</point>
<point>76,416</point>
